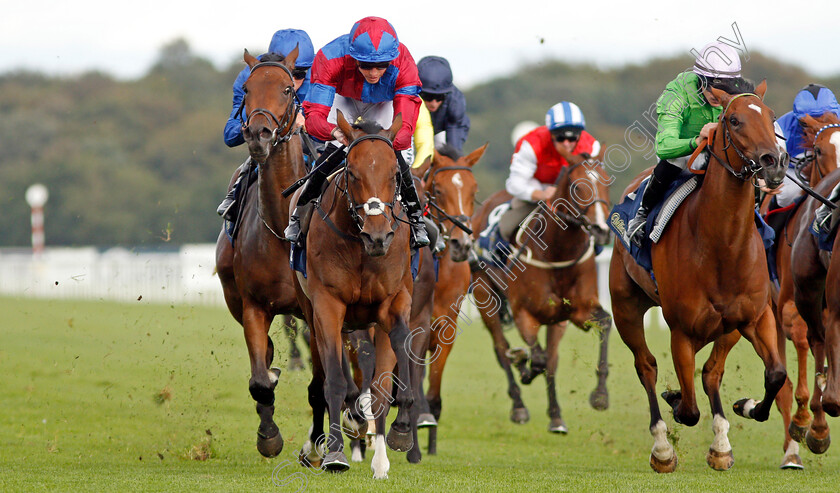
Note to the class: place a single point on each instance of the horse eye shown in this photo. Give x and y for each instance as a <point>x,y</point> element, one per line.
<point>817,151</point>
<point>733,121</point>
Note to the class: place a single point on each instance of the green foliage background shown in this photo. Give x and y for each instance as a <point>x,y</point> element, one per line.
<point>142,163</point>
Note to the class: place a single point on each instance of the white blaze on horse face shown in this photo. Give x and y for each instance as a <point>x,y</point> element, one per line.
<point>721,428</point>
<point>600,207</point>
<point>380,464</point>
<point>459,184</point>
<point>835,140</point>
<point>755,107</point>
<point>662,448</point>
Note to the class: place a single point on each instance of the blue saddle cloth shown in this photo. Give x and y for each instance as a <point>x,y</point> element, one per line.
<point>622,213</point>
<point>297,260</point>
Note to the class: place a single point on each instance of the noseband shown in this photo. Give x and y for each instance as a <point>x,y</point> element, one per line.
<point>282,131</point>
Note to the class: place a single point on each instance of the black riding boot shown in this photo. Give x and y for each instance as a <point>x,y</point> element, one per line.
<point>411,202</point>
<point>329,160</point>
<point>662,176</point>
<point>821,219</point>
<point>228,208</point>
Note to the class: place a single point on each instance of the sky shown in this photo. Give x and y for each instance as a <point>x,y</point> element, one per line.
<point>480,40</point>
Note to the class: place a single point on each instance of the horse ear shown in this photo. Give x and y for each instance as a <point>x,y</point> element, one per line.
<point>421,170</point>
<point>250,59</point>
<point>290,59</point>
<point>716,97</point>
<point>345,127</point>
<point>761,89</point>
<point>811,124</point>
<point>473,157</point>
<point>395,127</point>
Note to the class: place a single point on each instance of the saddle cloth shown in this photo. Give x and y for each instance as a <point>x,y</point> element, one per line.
<point>825,240</point>
<point>660,216</point>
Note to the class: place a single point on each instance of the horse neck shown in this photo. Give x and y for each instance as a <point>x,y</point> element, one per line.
<point>563,238</point>
<point>282,168</point>
<point>725,212</point>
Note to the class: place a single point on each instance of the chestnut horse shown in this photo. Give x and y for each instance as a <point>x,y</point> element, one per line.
<point>821,161</point>
<point>551,278</point>
<point>711,279</point>
<point>257,282</point>
<point>816,279</point>
<point>450,194</point>
<point>358,274</point>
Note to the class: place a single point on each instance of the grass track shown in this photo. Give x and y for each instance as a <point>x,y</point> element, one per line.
<point>81,382</point>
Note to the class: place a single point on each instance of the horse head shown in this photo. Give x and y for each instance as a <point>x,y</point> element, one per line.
<point>371,180</point>
<point>269,104</point>
<point>582,199</point>
<point>822,136</point>
<point>746,126</point>
<point>450,189</point>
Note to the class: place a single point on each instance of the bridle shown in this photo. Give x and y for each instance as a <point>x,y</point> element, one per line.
<point>813,156</point>
<point>283,127</point>
<point>372,207</point>
<point>439,215</point>
<point>580,220</point>
<point>751,167</point>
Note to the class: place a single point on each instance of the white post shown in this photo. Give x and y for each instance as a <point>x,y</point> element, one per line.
<point>36,197</point>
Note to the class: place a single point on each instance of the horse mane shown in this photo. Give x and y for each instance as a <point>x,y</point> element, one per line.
<point>449,151</point>
<point>368,126</point>
<point>827,118</point>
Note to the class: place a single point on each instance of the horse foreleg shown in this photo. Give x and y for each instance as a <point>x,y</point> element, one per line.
<point>328,320</point>
<point>529,328</point>
<point>818,437</point>
<point>763,338</point>
<point>353,422</point>
<point>399,436</point>
<point>720,456</point>
<point>518,413</point>
<point>380,390</point>
<point>554,333</point>
<point>290,328</point>
<point>784,401</point>
<point>261,385</point>
<point>798,331</point>
<point>419,411</point>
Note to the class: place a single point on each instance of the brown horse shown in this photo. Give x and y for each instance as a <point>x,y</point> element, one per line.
<point>821,161</point>
<point>358,274</point>
<point>450,194</point>
<point>551,278</point>
<point>711,279</point>
<point>816,278</point>
<point>257,282</point>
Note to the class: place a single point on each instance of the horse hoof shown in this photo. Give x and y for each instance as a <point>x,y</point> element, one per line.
<point>797,432</point>
<point>357,455</point>
<point>400,441</point>
<point>720,461</point>
<point>310,460</point>
<point>518,355</point>
<point>557,425</point>
<point>270,447</point>
<point>599,400</point>
<point>817,445</point>
<point>672,397</point>
<point>519,415</point>
<point>336,462</point>
<point>426,420</point>
<point>414,456</point>
<point>354,430</point>
<point>667,466</point>
<point>792,461</point>
<point>743,407</point>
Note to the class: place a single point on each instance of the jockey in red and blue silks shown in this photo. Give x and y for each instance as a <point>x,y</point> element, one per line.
<point>367,73</point>
<point>282,43</point>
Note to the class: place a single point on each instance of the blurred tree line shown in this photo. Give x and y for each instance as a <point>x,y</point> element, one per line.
<point>142,163</point>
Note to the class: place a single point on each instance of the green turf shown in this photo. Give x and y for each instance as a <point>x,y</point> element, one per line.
<point>99,395</point>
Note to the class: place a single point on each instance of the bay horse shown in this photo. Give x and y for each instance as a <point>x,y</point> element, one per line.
<point>816,282</point>
<point>820,160</point>
<point>358,274</point>
<point>450,190</point>
<point>257,282</point>
<point>711,279</point>
<point>551,278</point>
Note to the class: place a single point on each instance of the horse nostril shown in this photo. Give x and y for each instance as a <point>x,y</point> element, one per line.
<point>768,160</point>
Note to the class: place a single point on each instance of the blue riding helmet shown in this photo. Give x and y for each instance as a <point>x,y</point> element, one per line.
<point>566,119</point>
<point>435,74</point>
<point>374,40</point>
<point>814,100</point>
<point>285,40</point>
